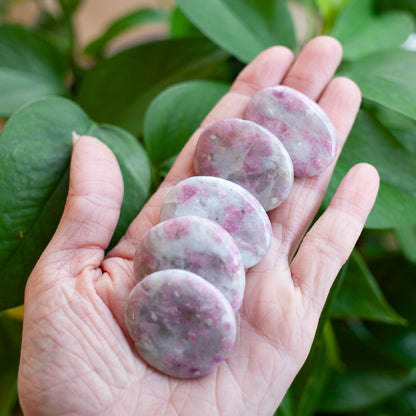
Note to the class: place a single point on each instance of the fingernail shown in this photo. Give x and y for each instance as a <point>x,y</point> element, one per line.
<point>75,137</point>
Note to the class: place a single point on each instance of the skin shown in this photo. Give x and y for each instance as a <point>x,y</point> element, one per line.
<point>76,357</point>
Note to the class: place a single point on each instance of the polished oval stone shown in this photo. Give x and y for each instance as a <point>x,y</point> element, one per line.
<point>301,125</point>
<point>198,245</point>
<point>229,205</point>
<point>180,324</point>
<point>245,153</point>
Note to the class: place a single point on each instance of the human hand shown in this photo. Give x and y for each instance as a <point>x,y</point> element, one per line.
<point>76,355</point>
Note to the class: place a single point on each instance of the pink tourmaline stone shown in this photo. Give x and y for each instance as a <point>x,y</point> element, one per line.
<point>198,245</point>
<point>180,324</point>
<point>228,204</point>
<point>245,153</point>
<point>301,125</point>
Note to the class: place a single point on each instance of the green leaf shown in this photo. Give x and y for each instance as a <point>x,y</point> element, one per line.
<point>118,90</point>
<point>286,406</point>
<point>370,142</point>
<point>401,127</point>
<point>398,341</point>
<point>361,32</point>
<point>133,19</point>
<point>136,169</point>
<point>35,151</point>
<point>397,281</point>
<point>175,114</point>
<point>69,6</point>
<point>328,11</point>
<point>396,277</point>
<point>180,26</point>
<point>387,78</point>
<point>305,392</point>
<point>357,390</point>
<point>10,336</point>
<point>369,376</point>
<point>401,404</point>
<point>408,5</point>
<point>407,241</point>
<point>242,27</point>
<point>360,296</point>
<point>327,8</point>
<point>314,374</point>
<point>30,68</point>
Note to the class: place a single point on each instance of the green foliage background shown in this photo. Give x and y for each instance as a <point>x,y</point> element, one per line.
<point>145,101</point>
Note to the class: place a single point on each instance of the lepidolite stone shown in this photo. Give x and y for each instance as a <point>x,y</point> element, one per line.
<point>249,155</point>
<point>198,245</point>
<point>180,324</point>
<point>301,125</point>
<point>229,205</point>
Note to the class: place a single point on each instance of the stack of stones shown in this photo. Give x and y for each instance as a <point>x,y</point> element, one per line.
<point>214,226</point>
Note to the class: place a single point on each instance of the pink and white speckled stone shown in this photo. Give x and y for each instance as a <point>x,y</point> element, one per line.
<point>301,125</point>
<point>180,324</point>
<point>198,245</point>
<point>245,153</point>
<point>229,205</point>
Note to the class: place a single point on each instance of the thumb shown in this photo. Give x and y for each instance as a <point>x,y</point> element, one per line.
<point>92,207</point>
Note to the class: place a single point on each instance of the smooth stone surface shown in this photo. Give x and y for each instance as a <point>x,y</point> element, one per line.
<point>301,125</point>
<point>249,155</point>
<point>198,245</point>
<point>229,205</point>
<point>180,324</point>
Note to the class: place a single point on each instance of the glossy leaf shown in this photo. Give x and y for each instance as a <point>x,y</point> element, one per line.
<point>407,240</point>
<point>119,90</point>
<point>136,169</point>
<point>359,295</point>
<point>401,127</point>
<point>387,78</point>
<point>361,32</point>
<point>369,376</point>
<point>180,26</point>
<point>131,20</point>
<point>174,115</point>
<point>30,68</point>
<point>357,390</point>
<point>35,150</point>
<point>242,27</point>
<point>370,142</point>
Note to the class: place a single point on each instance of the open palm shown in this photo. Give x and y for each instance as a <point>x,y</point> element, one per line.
<point>76,356</point>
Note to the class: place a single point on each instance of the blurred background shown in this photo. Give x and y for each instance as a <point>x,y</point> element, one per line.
<point>125,63</point>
